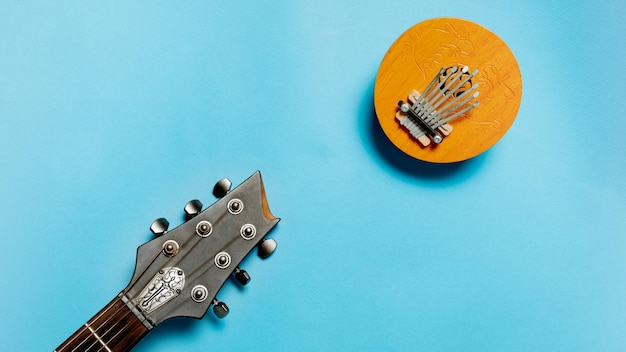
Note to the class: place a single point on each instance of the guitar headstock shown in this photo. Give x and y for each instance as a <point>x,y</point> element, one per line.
<point>179,273</point>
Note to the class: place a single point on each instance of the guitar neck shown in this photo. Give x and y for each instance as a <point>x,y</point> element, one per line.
<point>178,273</point>
<point>114,329</point>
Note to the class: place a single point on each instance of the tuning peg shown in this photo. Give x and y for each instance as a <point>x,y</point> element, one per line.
<point>267,247</point>
<point>221,187</point>
<point>220,309</point>
<point>242,276</point>
<point>159,226</point>
<point>193,208</point>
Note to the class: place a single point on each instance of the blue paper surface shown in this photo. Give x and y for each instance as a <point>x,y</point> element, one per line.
<point>114,113</point>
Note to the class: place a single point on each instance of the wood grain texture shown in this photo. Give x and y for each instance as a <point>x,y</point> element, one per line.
<point>416,57</point>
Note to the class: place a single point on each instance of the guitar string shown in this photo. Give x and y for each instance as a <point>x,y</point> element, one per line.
<point>110,316</point>
<point>130,286</point>
<point>202,268</point>
<point>74,337</point>
<point>102,345</point>
<point>105,311</point>
<point>85,327</point>
<point>115,313</point>
<point>131,299</point>
<point>121,309</point>
<point>117,322</point>
<point>94,332</point>
<point>124,308</point>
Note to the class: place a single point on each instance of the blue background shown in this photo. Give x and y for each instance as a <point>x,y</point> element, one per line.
<point>115,113</point>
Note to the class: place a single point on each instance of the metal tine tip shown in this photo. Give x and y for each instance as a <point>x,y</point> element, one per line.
<point>446,87</point>
<point>452,91</point>
<point>428,91</point>
<point>450,81</point>
<point>425,104</point>
<point>445,78</point>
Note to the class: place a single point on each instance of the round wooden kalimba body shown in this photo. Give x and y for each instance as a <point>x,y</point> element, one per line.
<point>415,59</point>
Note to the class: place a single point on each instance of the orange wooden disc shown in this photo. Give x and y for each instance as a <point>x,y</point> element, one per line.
<point>415,59</point>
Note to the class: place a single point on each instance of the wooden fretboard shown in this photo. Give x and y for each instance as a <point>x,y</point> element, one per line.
<point>114,329</point>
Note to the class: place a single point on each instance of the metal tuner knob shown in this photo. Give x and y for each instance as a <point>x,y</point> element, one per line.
<point>159,226</point>
<point>267,247</point>
<point>242,276</point>
<point>193,208</point>
<point>220,309</point>
<point>221,188</point>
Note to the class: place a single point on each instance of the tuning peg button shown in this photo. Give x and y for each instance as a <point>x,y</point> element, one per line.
<point>242,276</point>
<point>193,208</point>
<point>267,247</point>
<point>221,188</point>
<point>220,309</point>
<point>159,226</point>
